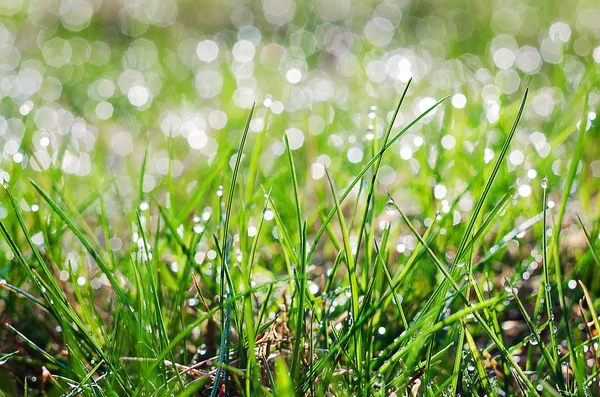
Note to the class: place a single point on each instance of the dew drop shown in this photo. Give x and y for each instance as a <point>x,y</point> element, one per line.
<point>372,111</point>
<point>533,340</point>
<point>544,183</point>
<point>389,207</point>
<point>220,191</point>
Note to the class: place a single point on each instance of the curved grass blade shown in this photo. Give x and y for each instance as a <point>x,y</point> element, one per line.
<point>367,166</point>
<point>95,255</point>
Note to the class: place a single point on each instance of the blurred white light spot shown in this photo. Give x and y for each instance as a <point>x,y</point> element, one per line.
<point>508,81</point>
<point>516,157</point>
<point>197,139</point>
<point>379,31</point>
<point>488,155</point>
<point>543,104</point>
<point>277,107</point>
<point>138,95</point>
<point>57,52</point>
<point>38,238</point>
<point>528,59</point>
<point>278,12</point>
<point>121,143</point>
<point>572,284</point>
<point>295,138</point>
<point>504,58</point>
<point>25,108</point>
<point>217,119</point>
<point>104,110</point>
<point>448,142</point>
<point>405,153</point>
<point>524,190</point>
<point>207,50</point>
<point>376,71</point>
<point>317,170</point>
<point>106,88</point>
<point>531,173</point>
<point>597,54</point>
<point>551,50</point>
<point>76,14</point>
<point>333,10</point>
<point>293,75</point>
<point>208,83</point>
<point>439,191</point>
<point>459,101</point>
<point>355,155</point>
<point>560,31</point>
<point>426,103</point>
<point>243,51</point>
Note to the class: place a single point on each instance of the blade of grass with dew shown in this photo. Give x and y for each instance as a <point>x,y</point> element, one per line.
<point>390,284</point>
<point>553,363</point>
<point>38,349</point>
<point>153,289</point>
<point>141,194</point>
<point>441,291</point>
<point>354,291</point>
<point>367,166</point>
<point>571,175</point>
<point>52,293</point>
<point>89,375</point>
<point>106,230</point>
<point>485,382</point>
<point>26,294</point>
<point>546,280</point>
<point>197,195</point>
<point>371,189</point>
<point>490,181</point>
<point>173,229</point>
<point>95,255</point>
<point>477,316</point>
<point>255,157</point>
<point>301,275</point>
<point>385,364</point>
<point>252,366</point>
<point>591,246</point>
<point>226,318</point>
<point>461,333</point>
<point>590,303</point>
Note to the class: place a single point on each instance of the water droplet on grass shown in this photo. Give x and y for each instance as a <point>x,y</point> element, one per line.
<point>389,207</point>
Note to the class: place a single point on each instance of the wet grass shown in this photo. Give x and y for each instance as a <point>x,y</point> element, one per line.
<point>274,266</point>
<point>355,329</point>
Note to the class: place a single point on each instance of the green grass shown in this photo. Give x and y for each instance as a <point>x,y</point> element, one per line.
<point>332,221</point>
